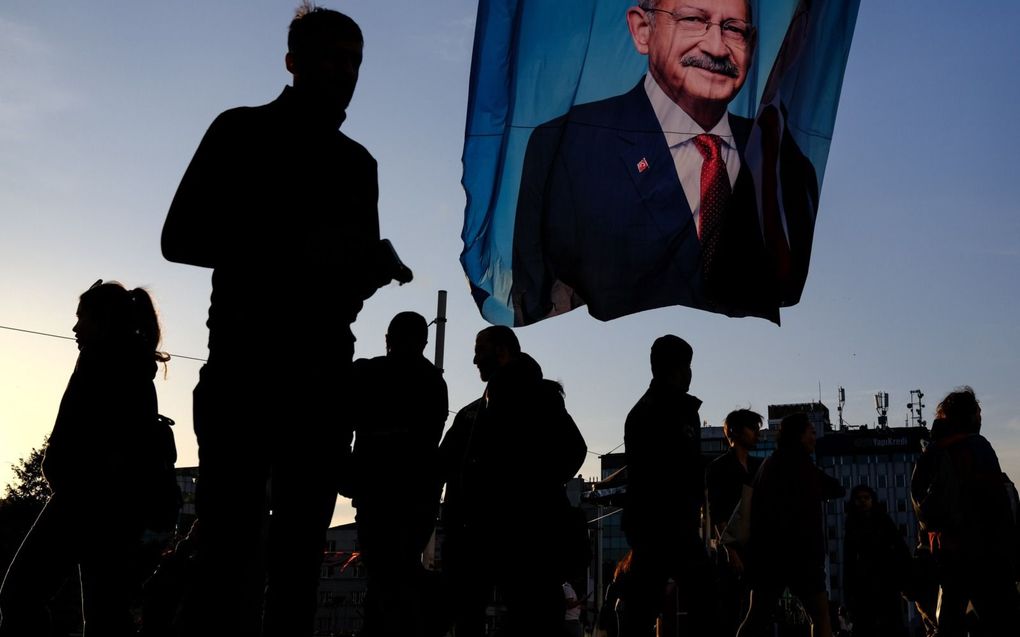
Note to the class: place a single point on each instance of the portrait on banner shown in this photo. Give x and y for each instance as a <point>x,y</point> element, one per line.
<point>696,185</point>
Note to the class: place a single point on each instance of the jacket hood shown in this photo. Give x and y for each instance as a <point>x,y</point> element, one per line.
<point>521,372</point>
<point>524,368</point>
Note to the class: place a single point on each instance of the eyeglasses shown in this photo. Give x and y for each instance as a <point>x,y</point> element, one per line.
<point>734,32</point>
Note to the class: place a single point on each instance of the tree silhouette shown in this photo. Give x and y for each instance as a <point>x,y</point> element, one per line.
<point>29,486</point>
<point>22,502</point>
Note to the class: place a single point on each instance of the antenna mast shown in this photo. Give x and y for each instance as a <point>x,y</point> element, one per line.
<point>841,400</point>
<point>882,407</point>
<point>916,406</point>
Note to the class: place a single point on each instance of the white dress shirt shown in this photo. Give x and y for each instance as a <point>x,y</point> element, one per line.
<point>679,129</point>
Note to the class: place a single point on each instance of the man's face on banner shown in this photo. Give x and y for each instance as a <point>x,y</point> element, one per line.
<point>698,50</point>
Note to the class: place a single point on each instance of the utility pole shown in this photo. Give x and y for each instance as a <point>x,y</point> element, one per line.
<point>440,322</point>
<point>428,558</point>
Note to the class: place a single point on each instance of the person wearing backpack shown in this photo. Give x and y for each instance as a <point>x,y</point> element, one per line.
<point>963,505</point>
<point>106,465</point>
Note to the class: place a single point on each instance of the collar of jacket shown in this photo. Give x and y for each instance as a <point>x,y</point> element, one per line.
<point>662,389</point>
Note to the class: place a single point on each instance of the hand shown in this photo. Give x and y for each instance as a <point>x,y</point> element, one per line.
<point>393,266</point>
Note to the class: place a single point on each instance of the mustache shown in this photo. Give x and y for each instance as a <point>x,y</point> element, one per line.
<point>724,66</point>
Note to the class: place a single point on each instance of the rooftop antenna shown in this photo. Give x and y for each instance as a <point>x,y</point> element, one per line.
<point>882,407</point>
<point>841,400</point>
<point>916,406</point>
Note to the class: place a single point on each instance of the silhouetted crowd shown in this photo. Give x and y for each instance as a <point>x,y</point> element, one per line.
<point>277,199</point>
<point>759,532</point>
<point>718,564</point>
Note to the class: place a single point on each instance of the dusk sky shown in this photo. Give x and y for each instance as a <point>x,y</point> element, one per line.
<point>913,280</point>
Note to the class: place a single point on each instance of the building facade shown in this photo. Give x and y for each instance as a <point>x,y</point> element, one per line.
<point>342,585</point>
<point>187,479</point>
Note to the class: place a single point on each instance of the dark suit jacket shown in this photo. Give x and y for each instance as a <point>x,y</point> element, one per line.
<point>622,237</point>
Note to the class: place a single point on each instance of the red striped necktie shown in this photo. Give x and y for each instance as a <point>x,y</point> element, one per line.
<point>715,194</point>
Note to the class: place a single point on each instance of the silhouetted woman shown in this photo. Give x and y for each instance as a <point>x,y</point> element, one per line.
<point>100,466</point>
<point>875,564</point>
<point>614,604</point>
<point>787,545</point>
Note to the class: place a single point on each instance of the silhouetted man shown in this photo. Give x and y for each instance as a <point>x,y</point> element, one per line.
<point>399,418</point>
<point>665,494</point>
<point>728,474</point>
<point>283,208</point>
<point>506,458</point>
<point>726,478</point>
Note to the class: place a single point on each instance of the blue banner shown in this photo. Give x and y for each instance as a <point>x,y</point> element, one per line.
<point>630,156</point>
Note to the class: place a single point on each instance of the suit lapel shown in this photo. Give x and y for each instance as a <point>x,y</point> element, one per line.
<point>645,157</point>
<point>649,164</point>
